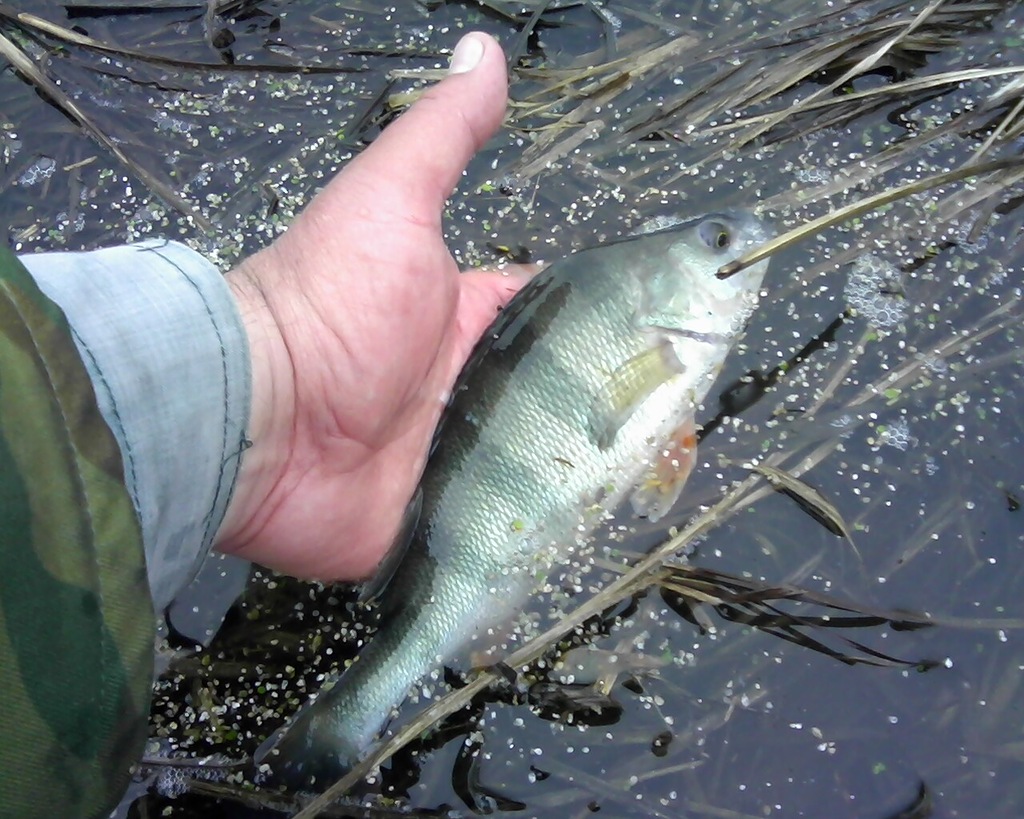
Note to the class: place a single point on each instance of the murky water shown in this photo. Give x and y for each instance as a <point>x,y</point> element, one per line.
<point>906,408</point>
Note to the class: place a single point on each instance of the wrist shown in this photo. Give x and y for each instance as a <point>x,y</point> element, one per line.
<point>271,412</point>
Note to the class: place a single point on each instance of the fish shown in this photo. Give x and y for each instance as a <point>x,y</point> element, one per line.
<point>580,396</point>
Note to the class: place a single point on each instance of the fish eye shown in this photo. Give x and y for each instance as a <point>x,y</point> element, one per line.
<point>715,235</point>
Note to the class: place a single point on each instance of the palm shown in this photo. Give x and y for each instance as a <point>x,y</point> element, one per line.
<point>391,336</point>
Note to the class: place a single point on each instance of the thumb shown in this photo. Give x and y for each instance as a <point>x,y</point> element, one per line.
<point>414,165</point>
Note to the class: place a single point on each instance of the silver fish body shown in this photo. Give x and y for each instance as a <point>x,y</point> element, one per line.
<point>571,404</point>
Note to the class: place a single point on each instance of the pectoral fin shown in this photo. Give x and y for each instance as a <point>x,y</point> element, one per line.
<point>626,389</point>
<point>659,491</point>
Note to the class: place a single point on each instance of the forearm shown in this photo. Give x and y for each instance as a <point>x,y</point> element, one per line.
<point>161,337</point>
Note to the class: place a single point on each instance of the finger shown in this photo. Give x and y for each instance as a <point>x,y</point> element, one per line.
<point>417,161</point>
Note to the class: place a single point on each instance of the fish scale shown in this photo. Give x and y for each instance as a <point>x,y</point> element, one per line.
<point>621,341</point>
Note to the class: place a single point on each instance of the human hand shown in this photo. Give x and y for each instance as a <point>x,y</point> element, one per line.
<point>359,322</point>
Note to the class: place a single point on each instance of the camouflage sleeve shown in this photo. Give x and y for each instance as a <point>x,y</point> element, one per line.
<point>124,393</point>
<point>162,339</point>
<point>76,622</point>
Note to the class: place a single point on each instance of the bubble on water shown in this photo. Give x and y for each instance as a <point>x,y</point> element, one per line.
<point>174,773</point>
<point>813,176</point>
<point>176,125</point>
<point>897,435</point>
<point>74,225</point>
<point>873,289</point>
<point>170,782</point>
<point>998,276</point>
<point>969,239</point>
<point>845,423</point>
<point>39,170</point>
<point>935,363</point>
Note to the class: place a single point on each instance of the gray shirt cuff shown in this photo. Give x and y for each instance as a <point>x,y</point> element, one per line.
<point>162,339</point>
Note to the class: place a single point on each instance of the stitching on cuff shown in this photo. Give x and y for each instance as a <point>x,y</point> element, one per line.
<point>209,528</point>
<point>128,455</point>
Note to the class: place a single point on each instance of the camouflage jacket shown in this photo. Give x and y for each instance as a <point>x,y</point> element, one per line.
<point>76,621</point>
<point>108,360</point>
